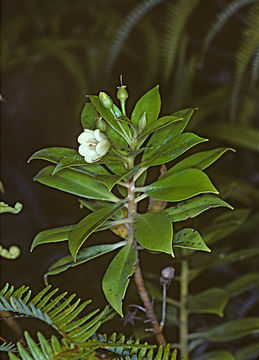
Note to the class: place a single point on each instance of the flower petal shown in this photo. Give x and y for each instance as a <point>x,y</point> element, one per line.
<point>102,147</point>
<point>99,136</point>
<point>83,149</point>
<point>86,136</point>
<point>90,157</point>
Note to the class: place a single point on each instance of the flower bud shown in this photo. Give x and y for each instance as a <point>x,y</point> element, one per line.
<point>142,123</point>
<point>116,111</point>
<point>122,93</point>
<point>168,273</point>
<point>105,100</point>
<point>101,124</point>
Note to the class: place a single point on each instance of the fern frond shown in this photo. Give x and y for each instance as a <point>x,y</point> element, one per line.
<point>125,28</point>
<point>222,17</point>
<point>132,349</point>
<point>177,15</point>
<point>118,345</point>
<point>8,346</point>
<point>247,49</point>
<point>60,312</point>
<point>48,350</point>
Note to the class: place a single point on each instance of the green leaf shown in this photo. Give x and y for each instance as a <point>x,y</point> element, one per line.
<point>217,355</point>
<point>52,236</point>
<point>178,127</point>
<point>111,180</point>
<point>243,283</point>
<point>88,225</point>
<point>65,157</point>
<point>116,139</point>
<point>233,329</point>
<point>159,124</point>
<point>164,146</point>
<point>154,232</point>
<point>239,135</point>
<point>88,117</point>
<point>200,160</point>
<point>116,278</point>
<point>149,103</point>
<point>190,239</point>
<point>79,163</point>
<point>180,186</point>
<point>211,301</point>
<point>74,182</point>
<point>52,154</point>
<point>193,207</point>
<point>121,127</point>
<point>223,225</point>
<point>83,256</point>
<point>249,352</point>
<point>98,204</point>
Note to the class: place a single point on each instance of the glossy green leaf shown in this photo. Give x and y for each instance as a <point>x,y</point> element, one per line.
<point>88,225</point>
<point>98,204</point>
<point>159,124</point>
<point>249,352</point>
<point>211,301</point>
<point>234,329</point>
<point>223,225</point>
<point>190,239</point>
<point>74,182</point>
<point>79,163</point>
<point>238,135</point>
<point>149,103</point>
<point>154,231</point>
<point>172,130</point>
<point>120,127</point>
<point>52,154</point>
<point>116,139</point>
<point>116,278</point>
<point>65,157</point>
<point>164,147</point>
<point>216,355</point>
<point>52,236</point>
<point>243,283</point>
<point>83,256</point>
<point>88,116</point>
<point>180,186</point>
<point>200,160</point>
<point>108,180</point>
<point>111,180</point>
<point>178,127</point>
<point>193,207</point>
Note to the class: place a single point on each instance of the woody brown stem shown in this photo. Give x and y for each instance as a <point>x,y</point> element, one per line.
<point>148,305</point>
<point>137,273</point>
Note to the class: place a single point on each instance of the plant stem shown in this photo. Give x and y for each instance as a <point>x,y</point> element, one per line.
<point>141,197</point>
<point>183,311</point>
<point>148,305</point>
<point>137,273</point>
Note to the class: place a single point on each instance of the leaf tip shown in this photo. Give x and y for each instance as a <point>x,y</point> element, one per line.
<point>56,169</point>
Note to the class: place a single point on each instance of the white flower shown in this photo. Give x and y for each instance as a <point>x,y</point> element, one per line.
<point>93,145</point>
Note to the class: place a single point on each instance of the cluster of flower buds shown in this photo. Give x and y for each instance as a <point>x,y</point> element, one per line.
<point>93,145</point>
